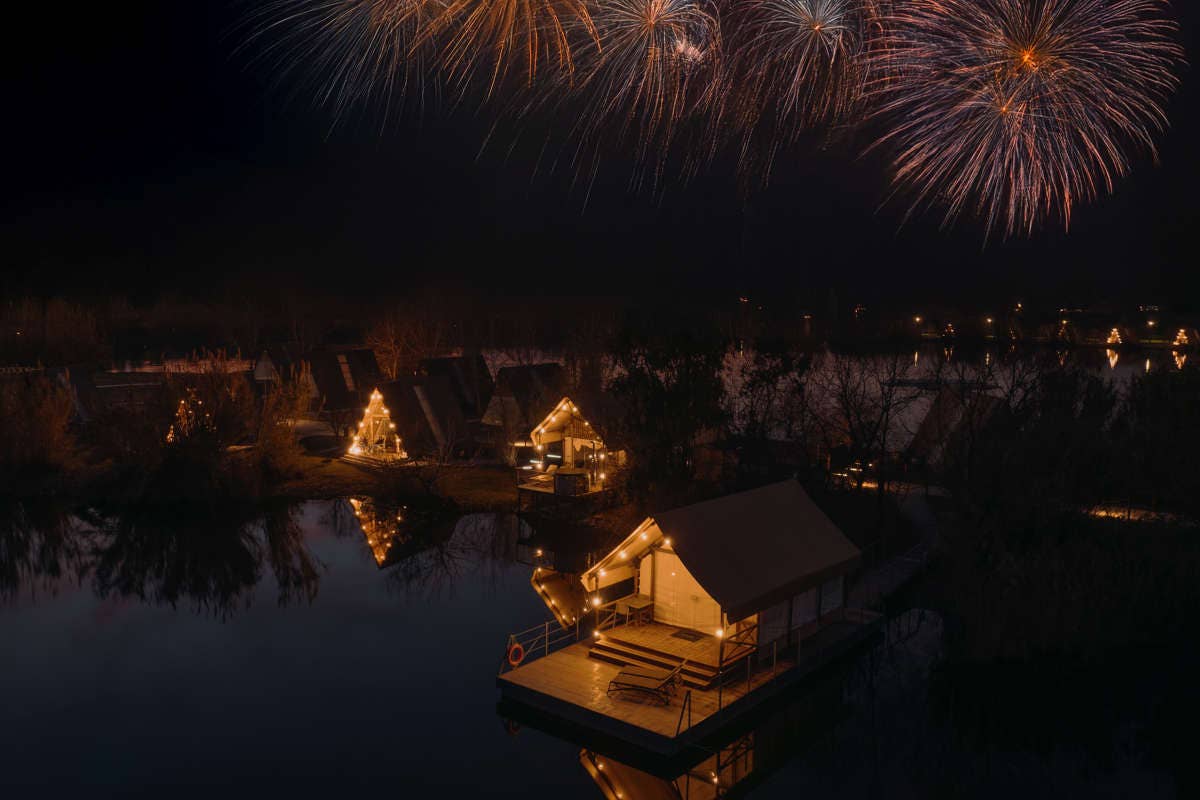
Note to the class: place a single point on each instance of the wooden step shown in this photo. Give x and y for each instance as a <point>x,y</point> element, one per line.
<point>697,676</point>
<point>731,655</point>
<point>687,680</point>
<point>657,657</point>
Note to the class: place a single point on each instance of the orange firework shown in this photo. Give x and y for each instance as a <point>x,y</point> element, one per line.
<point>353,50</point>
<point>1015,110</point>
<point>653,67</point>
<point>491,33</point>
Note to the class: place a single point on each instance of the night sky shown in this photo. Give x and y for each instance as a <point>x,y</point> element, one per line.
<point>146,155</point>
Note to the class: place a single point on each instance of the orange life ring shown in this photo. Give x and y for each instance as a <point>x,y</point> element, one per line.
<point>516,654</point>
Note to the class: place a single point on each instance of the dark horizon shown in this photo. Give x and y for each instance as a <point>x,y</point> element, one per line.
<point>153,159</point>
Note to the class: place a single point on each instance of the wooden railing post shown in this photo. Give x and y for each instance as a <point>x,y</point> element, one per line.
<point>546,637</point>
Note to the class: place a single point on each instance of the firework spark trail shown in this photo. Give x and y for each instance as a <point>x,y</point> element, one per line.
<point>650,73</point>
<point>354,50</point>
<point>494,32</point>
<point>650,61</point>
<point>1015,110</point>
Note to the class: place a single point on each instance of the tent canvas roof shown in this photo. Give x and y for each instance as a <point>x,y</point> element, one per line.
<point>756,548</point>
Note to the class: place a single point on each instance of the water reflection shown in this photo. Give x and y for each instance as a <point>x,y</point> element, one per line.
<point>214,561</point>
<point>427,553</point>
<point>200,558</point>
<point>210,561</point>
<point>40,544</point>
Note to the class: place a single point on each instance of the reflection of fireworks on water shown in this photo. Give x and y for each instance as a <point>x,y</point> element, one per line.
<point>1016,109</point>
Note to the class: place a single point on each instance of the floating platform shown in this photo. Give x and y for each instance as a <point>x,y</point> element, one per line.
<point>570,685</point>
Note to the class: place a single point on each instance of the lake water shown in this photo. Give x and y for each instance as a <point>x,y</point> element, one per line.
<point>280,659</point>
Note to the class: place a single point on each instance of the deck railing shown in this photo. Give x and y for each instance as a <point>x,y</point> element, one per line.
<point>542,640</point>
<point>684,708</point>
<point>536,642</point>
<point>742,643</point>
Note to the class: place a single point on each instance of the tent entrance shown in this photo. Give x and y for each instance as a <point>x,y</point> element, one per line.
<point>679,599</point>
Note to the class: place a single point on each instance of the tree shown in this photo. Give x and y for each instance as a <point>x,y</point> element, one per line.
<point>669,383</point>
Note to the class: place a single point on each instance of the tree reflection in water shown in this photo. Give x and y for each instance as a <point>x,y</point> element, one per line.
<point>209,560</point>
<point>40,544</point>
<point>212,561</point>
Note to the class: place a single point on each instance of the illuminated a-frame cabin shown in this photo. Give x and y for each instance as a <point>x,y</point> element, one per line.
<point>566,442</point>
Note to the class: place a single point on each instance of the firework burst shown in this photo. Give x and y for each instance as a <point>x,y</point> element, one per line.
<point>1016,110</point>
<point>802,57</point>
<point>651,70</point>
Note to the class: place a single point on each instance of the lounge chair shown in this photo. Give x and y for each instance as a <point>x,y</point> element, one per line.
<point>656,683</point>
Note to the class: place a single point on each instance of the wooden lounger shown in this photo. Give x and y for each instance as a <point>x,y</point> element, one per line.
<point>658,684</point>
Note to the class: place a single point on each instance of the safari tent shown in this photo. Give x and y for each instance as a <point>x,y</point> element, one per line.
<point>758,566</point>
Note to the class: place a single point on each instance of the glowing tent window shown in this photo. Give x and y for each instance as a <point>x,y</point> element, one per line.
<point>376,433</point>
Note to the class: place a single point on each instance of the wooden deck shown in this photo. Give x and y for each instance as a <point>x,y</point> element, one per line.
<point>571,676</point>
<point>570,685</point>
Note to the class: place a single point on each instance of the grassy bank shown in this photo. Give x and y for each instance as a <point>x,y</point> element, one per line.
<point>469,488</point>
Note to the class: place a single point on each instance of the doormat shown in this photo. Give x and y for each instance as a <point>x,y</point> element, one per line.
<point>688,636</point>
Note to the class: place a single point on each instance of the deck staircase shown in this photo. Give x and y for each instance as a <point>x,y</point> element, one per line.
<point>626,654</point>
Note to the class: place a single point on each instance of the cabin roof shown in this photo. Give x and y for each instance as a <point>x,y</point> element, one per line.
<point>752,549</point>
<point>469,378</point>
<point>954,411</point>
<point>425,412</point>
<point>534,387</point>
<point>344,388</point>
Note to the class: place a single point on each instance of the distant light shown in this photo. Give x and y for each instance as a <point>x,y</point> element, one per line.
<point>720,633</point>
